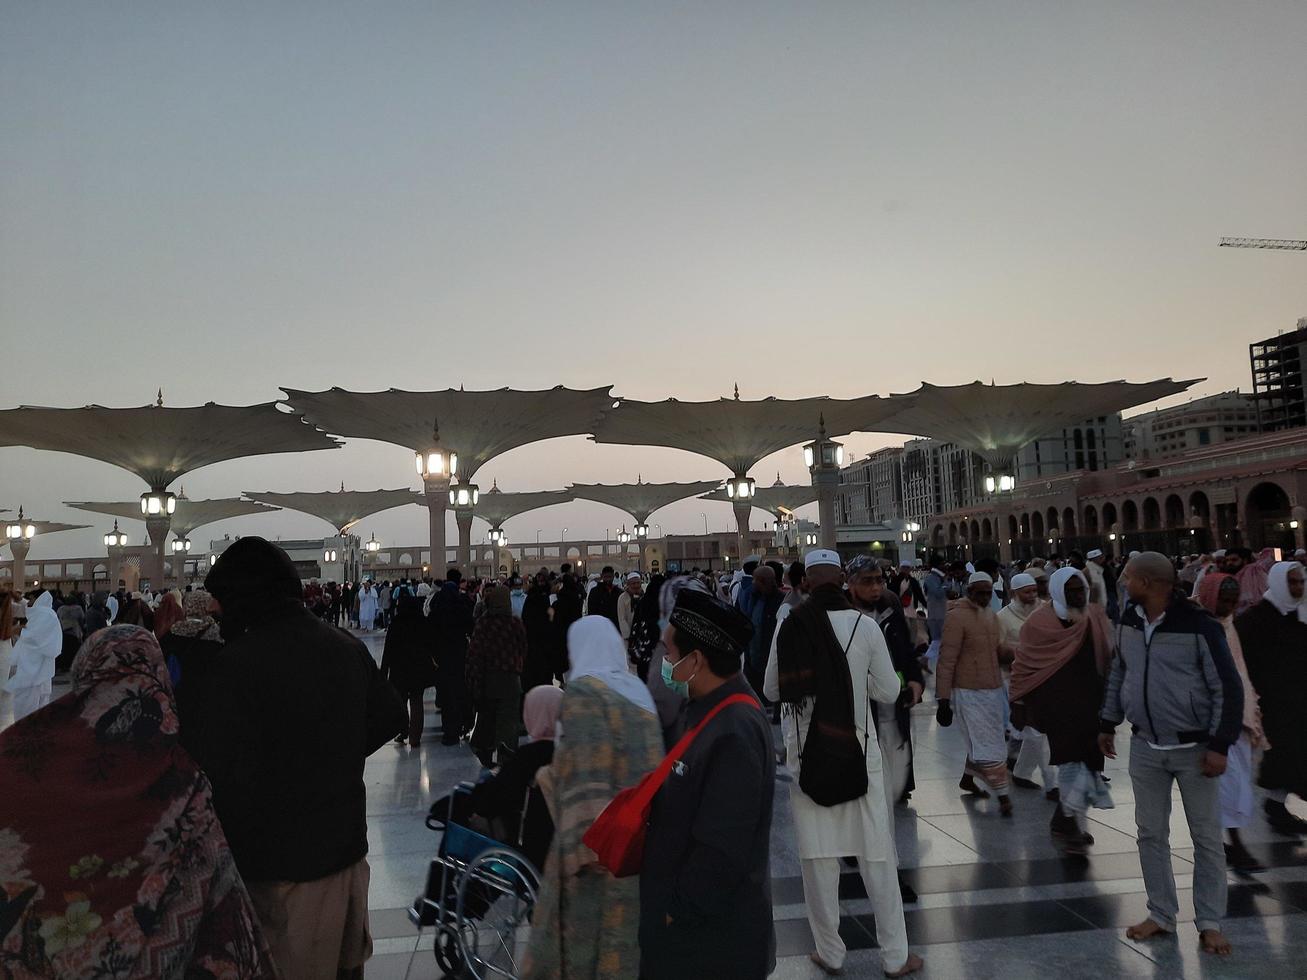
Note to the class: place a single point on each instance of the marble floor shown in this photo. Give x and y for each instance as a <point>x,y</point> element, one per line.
<point>997,897</point>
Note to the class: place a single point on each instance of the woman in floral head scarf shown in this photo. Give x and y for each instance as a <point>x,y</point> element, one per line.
<point>112,861</point>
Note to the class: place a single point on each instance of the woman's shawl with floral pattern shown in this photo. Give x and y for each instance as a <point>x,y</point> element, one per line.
<point>112,860</point>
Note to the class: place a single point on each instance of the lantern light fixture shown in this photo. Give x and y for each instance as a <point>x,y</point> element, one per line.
<point>181,546</point>
<point>115,538</point>
<point>497,536</point>
<point>642,531</point>
<point>20,529</point>
<point>1000,483</point>
<point>464,495</point>
<point>157,503</point>
<point>623,536</point>
<point>372,545</point>
<point>740,488</point>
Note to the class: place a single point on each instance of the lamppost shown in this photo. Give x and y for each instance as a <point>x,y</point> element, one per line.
<point>158,506</point>
<point>180,548</point>
<point>824,457</point>
<point>19,533</point>
<point>114,543</point>
<point>497,538</point>
<point>370,548</point>
<point>463,498</point>
<point>739,489</point>
<point>1000,484</point>
<point>435,466</point>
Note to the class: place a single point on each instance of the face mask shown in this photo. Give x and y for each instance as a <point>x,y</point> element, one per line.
<point>680,687</point>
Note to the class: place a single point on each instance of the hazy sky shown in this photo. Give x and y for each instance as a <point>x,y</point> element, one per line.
<point>842,198</point>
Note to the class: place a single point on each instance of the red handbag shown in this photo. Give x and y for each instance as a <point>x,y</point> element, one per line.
<point>617,835</point>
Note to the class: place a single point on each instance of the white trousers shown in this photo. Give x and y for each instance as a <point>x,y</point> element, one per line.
<point>821,892</point>
<point>1034,755</point>
<point>895,756</point>
<point>29,699</point>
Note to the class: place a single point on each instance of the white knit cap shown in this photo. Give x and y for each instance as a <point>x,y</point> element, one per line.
<point>1021,580</point>
<point>979,578</point>
<point>633,576</point>
<point>822,556</point>
<point>1095,553</point>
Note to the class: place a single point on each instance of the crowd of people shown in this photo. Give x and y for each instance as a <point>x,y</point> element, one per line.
<point>243,713</point>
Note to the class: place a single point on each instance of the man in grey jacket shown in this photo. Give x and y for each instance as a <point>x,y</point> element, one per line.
<point>1174,680</point>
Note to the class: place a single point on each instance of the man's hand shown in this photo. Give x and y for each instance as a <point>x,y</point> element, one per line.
<point>944,714</point>
<point>1213,764</point>
<point>916,690</point>
<point>1107,744</point>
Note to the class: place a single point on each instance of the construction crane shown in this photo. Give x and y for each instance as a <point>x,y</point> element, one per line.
<point>1287,244</point>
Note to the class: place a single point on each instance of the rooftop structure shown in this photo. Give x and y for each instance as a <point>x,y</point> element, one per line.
<point>997,420</point>
<point>342,508</point>
<point>639,499</point>
<point>454,433</point>
<point>189,515</point>
<point>161,444</point>
<point>739,433</point>
<point>496,506</point>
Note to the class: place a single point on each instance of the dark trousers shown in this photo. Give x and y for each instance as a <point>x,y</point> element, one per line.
<point>417,718</point>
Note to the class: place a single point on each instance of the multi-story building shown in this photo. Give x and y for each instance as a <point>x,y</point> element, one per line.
<point>1094,444</point>
<point>925,477</point>
<point>1167,432</point>
<point>871,489</point>
<point>1277,365</point>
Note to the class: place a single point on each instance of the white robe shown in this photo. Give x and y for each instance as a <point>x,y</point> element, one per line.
<point>367,609</point>
<point>33,656</point>
<point>859,828</point>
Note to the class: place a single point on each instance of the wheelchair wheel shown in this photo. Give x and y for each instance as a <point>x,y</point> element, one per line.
<point>449,952</point>
<point>496,896</point>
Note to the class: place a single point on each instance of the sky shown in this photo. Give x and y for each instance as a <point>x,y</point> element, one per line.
<point>834,198</point>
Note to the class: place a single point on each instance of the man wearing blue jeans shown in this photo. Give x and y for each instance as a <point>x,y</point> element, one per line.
<point>1174,680</point>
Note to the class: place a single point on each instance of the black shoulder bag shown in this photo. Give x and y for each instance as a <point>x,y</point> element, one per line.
<point>831,769</point>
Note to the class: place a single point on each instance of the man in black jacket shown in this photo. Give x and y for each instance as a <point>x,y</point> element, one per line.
<point>451,620</point>
<point>705,889</point>
<point>294,708</point>
<point>602,600</point>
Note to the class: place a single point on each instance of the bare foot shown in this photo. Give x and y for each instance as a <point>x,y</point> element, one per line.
<point>1148,929</point>
<point>1211,941</point>
<point>913,964</point>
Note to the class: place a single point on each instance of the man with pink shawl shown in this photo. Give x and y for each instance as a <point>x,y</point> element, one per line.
<point>1253,579</point>
<point>1061,662</point>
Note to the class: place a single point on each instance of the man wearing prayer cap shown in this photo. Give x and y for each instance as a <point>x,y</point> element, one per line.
<point>626,603</point>
<point>970,683</point>
<point>1093,571</point>
<point>705,887</point>
<point>1034,752</point>
<point>829,663</point>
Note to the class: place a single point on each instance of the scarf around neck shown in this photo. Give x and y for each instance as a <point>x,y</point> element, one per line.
<point>1047,645</point>
<point>813,664</point>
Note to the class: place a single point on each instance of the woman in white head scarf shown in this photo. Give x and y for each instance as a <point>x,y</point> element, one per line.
<point>34,656</point>
<point>585,924</point>
<point>595,649</point>
<point>1057,592</point>
<point>1277,590</point>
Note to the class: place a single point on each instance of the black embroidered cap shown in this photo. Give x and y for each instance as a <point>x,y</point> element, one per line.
<point>710,622</point>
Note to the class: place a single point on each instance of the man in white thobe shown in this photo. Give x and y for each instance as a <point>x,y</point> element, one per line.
<point>33,658</point>
<point>860,827</point>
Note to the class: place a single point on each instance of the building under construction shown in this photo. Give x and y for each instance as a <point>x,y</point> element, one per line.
<point>1277,366</point>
